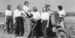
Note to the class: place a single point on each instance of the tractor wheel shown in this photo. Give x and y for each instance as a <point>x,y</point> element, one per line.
<point>62,33</point>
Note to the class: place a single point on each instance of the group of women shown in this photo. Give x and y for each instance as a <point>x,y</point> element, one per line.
<point>41,21</point>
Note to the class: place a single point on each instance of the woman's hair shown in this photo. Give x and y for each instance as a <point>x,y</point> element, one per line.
<point>9,7</point>
<point>35,9</point>
<point>26,2</point>
<point>43,9</point>
<point>47,6</point>
<point>19,7</point>
<point>59,7</point>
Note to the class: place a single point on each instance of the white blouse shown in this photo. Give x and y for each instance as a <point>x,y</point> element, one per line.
<point>18,13</point>
<point>8,13</point>
<point>61,13</point>
<point>45,15</point>
<point>25,8</point>
<point>36,15</point>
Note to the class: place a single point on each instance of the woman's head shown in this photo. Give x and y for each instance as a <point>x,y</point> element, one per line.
<point>47,7</point>
<point>19,7</point>
<point>9,7</point>
<point>26,3</point>
<point>35,9</point>
<point>44,9</point>
<point>60,7</point>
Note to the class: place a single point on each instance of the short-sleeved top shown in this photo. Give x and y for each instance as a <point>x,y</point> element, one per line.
<point>61,13</point>
<point>26,8</point>
<point>36,15</point>
<point>18,13</point>
<point>45,15</point>
<point>8,13</point>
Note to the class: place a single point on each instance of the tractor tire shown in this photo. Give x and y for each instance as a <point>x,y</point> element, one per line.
<point>62,33</point>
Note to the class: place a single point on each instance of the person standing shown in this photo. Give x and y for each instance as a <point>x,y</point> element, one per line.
<point>19,21</point>
<point>62,14</point>
<point>26,8</point>
<point>8,19</point>
<point>27,22</point>
<point>45,17</point>
<point>36,20</point>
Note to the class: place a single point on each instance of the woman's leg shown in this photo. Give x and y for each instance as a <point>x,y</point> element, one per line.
<point>44,24</point>
<point>38,29</point>
<point>22,27</point>
<point>17,26</point>
<point>11,25</point>
<point>7,23</point>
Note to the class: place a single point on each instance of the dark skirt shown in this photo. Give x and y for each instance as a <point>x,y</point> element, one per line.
<point>19,26</point>
<point>38,28</point>
<point>9,23</point>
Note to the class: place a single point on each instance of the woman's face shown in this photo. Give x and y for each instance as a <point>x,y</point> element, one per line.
<point>20,7</point>
<point>9,8</point>
<point>44,9</point>
<point>26,3</point>
<point>48,8</point>
<point>34,9</point>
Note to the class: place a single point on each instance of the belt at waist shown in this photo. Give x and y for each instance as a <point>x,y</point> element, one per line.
<point>44,19</point>
<point>35,19</point>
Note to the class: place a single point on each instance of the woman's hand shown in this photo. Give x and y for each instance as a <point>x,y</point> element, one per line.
<point>54,29</point>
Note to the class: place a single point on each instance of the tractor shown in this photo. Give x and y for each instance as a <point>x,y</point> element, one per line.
<point>62,30</point>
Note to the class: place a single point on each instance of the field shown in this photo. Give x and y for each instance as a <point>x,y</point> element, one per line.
<point>5,35</point>
<point>70,19</point>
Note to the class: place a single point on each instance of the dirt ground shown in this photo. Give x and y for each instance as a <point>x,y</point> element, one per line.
<point>6,35</point>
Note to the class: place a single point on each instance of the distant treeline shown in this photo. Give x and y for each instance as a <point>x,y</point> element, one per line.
<point>68,14</point>
<point>2,14</point>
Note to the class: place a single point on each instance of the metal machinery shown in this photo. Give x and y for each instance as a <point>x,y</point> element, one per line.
<point>61,32</point>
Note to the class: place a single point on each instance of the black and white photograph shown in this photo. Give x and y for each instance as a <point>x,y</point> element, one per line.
<point>37,18</point>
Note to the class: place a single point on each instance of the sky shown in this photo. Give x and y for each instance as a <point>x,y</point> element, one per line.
<point>68,5</point>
